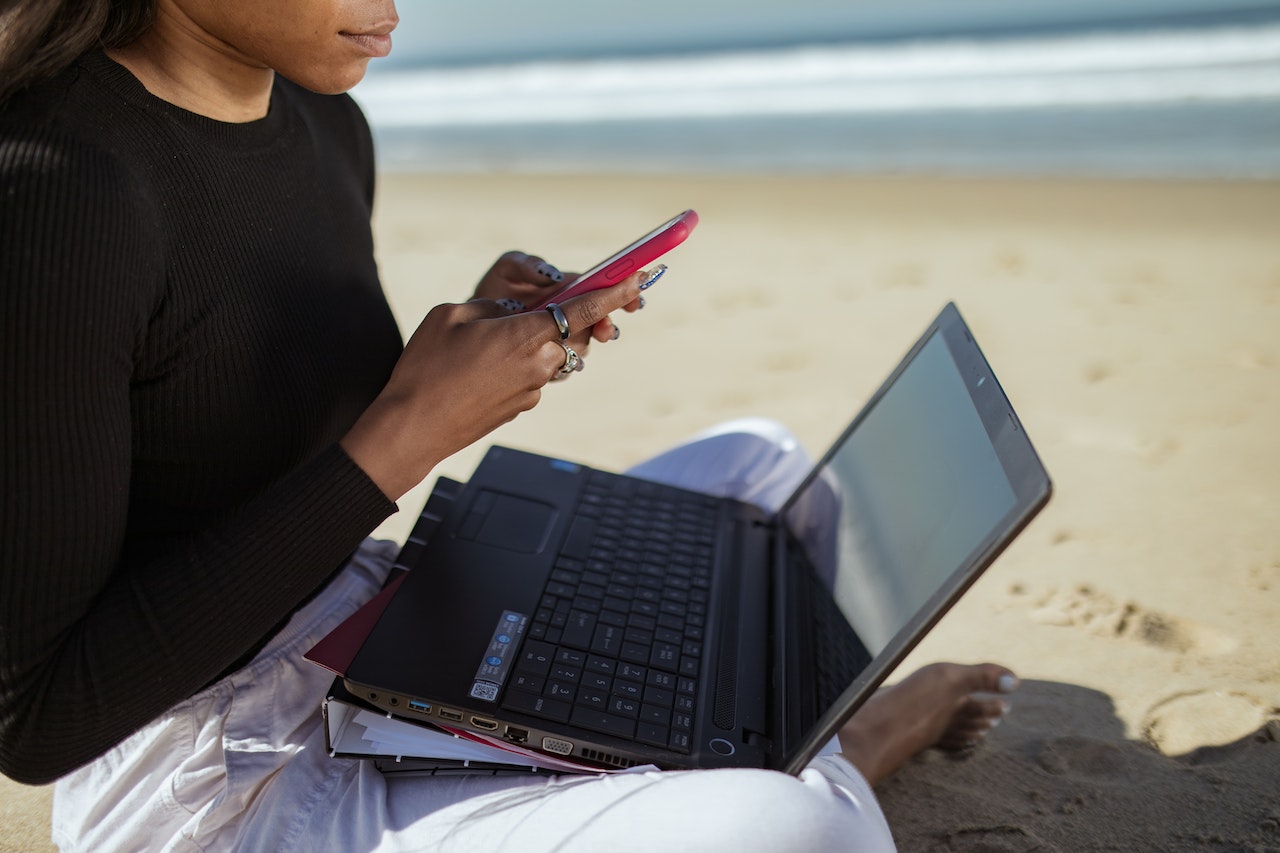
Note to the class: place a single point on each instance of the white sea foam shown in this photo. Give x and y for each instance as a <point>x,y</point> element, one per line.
<point>1236,64</point>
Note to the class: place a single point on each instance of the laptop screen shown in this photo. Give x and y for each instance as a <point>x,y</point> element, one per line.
<point>933,478</point>
<point>904,499</point>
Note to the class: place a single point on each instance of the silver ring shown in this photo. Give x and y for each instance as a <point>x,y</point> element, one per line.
<point>572,362</point>
<point>562,322</point>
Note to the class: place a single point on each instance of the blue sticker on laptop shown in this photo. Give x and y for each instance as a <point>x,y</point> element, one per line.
<point>496,663</point>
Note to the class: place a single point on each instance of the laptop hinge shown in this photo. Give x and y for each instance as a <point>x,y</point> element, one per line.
<point>742,699</point>
<point>779,671</point>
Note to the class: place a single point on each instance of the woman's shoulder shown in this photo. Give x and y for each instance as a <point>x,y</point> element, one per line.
<point>336,124</point>
<point>70,197</point>
<point>40,103</point>
<point>53,133</point>
<point>52,172</point>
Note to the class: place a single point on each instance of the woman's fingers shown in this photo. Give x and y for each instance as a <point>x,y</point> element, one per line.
<point>519,276</point>
<point>588,317</point>
<point>538,271</point>
<point>606,330</point>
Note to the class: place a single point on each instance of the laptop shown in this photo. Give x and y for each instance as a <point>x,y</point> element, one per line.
<point>621,622</point>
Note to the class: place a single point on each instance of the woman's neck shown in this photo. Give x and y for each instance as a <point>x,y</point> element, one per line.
<point>179,62</point>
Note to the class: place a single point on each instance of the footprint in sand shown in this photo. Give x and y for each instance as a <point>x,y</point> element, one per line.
<point>1085,756</point>
<point>1137,286</point>
<point>1100,614</point>
<point>906,276</point>
<point>1098,371</point>
<point>1185,722</point>
<point>1002,838</point>
<point>786,361</point>
<point>1010,262</point>
<point>1244,359</point>
<point>1265,577</point>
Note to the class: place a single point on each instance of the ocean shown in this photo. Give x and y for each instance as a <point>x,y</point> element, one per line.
<point>1154,89</point>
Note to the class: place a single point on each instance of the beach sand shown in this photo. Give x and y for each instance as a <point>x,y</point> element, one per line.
<point>1133,325</point>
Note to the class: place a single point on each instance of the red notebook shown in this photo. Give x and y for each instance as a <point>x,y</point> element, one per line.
<point>339,647</point>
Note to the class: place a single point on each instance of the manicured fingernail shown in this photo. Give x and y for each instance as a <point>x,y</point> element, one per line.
<point>641,301</point>
<point>657,273</point>
<point>512,305</point>
<point>550,272</point>
<point>617,333</point>
<point>1007,683</point>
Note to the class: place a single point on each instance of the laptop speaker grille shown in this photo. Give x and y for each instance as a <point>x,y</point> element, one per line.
<point>724,713</point>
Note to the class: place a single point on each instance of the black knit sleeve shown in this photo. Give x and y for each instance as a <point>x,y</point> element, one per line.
<point>91,646</point>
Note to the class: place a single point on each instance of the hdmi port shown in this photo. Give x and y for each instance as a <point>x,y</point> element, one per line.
<point>450,714</point>
<point>482,723</point>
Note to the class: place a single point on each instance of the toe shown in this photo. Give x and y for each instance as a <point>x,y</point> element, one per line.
<point>990,678</point>
<point>982,709</point>
<point>972,722</point>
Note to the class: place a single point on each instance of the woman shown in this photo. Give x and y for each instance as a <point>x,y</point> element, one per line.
<point>206,409</point>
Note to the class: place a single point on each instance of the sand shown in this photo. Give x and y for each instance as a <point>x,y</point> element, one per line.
<point>1134,326</point>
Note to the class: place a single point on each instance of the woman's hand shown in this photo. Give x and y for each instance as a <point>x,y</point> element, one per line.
<point>467,370</point>
<point>528,280</point>
<point>525,278</point>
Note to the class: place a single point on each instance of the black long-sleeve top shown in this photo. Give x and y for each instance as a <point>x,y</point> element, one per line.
<point>192,318</point>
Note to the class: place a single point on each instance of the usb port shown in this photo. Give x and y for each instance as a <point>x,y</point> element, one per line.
<point>450,714</point>
<point>482,723</point>
<point>516,735</point>
<point>420,707</point>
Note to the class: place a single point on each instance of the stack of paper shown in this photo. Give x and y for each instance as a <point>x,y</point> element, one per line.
<point>356,730</point>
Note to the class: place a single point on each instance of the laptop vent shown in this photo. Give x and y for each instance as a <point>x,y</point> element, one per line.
<point>606,758</point>
<point>726,704</point>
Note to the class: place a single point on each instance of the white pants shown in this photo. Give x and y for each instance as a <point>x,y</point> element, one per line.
<point>242,765</point>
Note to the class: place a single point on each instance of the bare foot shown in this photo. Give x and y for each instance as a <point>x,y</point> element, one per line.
<point>939,705</point>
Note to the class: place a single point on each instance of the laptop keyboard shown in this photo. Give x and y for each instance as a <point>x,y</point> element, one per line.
<point>616,645</point>
<point>838,655</point>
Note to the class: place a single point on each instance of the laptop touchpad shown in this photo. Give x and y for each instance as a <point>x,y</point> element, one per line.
<point>510,522</point>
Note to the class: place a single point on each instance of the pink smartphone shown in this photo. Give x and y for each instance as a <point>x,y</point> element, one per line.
<point>633,258</point>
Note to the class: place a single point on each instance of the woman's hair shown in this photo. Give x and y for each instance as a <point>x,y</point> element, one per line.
<point>39,38</point>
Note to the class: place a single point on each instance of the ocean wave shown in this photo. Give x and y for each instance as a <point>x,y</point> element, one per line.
<point>1088,70</point>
